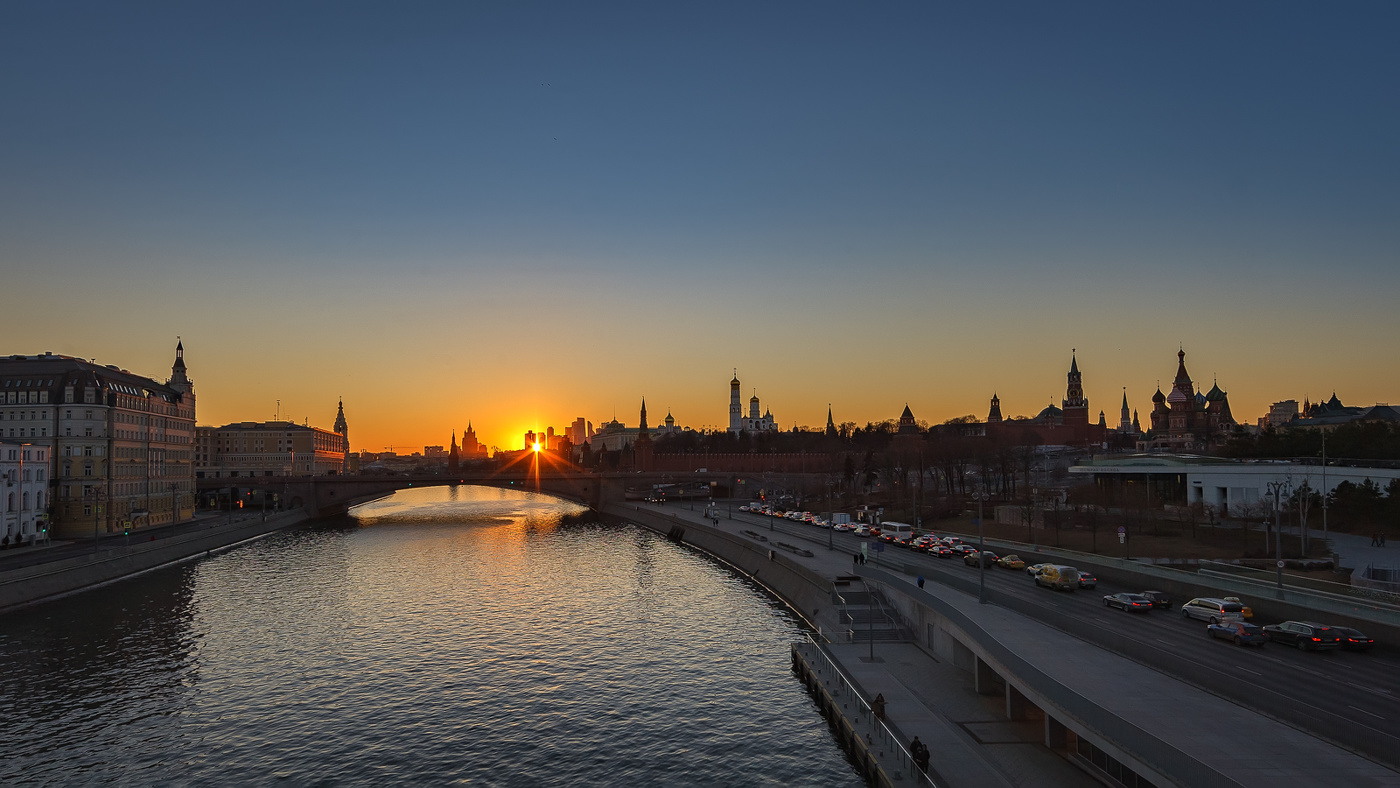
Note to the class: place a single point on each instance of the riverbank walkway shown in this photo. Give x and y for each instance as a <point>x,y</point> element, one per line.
<point>974,744</point>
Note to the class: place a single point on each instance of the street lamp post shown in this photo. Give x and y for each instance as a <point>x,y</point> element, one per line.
<point>981,495</point>
<point>1278,489</point>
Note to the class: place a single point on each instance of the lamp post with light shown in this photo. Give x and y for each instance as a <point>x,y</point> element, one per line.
<point>1278,490</point>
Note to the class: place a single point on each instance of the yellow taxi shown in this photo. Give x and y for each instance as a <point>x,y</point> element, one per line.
<point>1011,562</point>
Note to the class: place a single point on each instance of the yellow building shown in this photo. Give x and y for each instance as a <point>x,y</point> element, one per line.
<point>272,448</point>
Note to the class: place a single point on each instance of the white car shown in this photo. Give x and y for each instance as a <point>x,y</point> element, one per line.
<point>843,527</point>
<point>862,530</point>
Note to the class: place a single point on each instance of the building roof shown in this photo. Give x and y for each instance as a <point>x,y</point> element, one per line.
<point>52,372</point>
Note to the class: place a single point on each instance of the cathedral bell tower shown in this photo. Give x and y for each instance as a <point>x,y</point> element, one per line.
<point>736,408</point>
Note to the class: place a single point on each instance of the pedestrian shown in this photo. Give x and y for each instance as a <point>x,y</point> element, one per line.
<point>1375,539</point>
<point>855,559</point>
<point>920,752</point>
<point>921,585</point>
<point>877,706</point>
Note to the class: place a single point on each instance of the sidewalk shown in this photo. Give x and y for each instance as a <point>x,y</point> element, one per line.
<point>974,743</point>
<point>1356,552</point>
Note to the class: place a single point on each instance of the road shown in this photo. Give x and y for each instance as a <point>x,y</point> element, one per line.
<point>1352,699</point>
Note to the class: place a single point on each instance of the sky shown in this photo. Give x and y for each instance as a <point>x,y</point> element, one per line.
<point>515,214</point>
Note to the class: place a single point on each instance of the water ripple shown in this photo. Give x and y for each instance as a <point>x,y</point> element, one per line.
<point>442,636</point>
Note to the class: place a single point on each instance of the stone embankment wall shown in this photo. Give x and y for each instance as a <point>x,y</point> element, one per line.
<point>808,592</point>
<point>31,584</point>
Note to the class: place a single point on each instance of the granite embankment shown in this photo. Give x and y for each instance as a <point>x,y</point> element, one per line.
<point>106,563</point>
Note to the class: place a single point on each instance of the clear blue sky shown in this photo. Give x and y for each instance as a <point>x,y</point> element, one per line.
<point>853,203</point>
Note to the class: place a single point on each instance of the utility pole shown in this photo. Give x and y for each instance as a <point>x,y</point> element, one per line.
<point>1324,484</point>
<point>982,495</point>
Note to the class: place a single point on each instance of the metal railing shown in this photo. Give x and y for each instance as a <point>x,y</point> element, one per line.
<point>1303,584</point>
<point>877,731</point>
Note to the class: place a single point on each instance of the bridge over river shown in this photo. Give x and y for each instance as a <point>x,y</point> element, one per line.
<point>324,496</point>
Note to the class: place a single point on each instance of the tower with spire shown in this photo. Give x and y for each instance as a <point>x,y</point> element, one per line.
<point>736,408</point>
<point>342,428</point>
<point>994,414</point>
<point>178,379</point>
<point>830,423</point>
<point>1075,405</point>
<point>1125,418</point>
<point>454,460</point>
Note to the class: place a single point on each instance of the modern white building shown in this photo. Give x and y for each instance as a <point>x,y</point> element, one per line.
<point>24,469</point>
<point>1234,488</point>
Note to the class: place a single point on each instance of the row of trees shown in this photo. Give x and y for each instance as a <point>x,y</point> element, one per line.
<point>1375,440</point>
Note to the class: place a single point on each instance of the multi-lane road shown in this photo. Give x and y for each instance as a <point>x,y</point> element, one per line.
<point>1349,698</point>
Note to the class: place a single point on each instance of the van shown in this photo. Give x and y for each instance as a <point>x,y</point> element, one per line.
<point>1213,610</point>
<point>1060,578</point>
<point>898,530</point>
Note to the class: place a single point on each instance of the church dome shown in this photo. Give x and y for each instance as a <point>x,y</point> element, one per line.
<point>1159,396</point>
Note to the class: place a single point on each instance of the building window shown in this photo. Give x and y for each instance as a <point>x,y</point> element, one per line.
<point>87,469</point>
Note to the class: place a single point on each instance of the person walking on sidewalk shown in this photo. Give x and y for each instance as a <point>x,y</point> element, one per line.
<point>877,706</point>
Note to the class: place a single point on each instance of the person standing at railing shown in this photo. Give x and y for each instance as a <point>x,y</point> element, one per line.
<point>877,706</point>
<point>921,754</point>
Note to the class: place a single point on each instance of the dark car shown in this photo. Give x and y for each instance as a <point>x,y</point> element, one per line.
<point>1087,580</point>
<point>988,558</point>
<point>964,549</point>
<point>1135,603</point>
<point>1306,635</point>
<point>941,550</point>
<point>1159,598</point>
<point>1240,633</point>
<point>1353,640</point>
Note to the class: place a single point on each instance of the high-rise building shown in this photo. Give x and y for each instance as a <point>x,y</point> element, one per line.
<point>120,446</point>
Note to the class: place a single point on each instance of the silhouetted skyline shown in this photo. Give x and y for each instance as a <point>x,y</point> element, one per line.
<point>519,214</point>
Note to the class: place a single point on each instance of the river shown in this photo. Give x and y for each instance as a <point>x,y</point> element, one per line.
<point>440,636</point>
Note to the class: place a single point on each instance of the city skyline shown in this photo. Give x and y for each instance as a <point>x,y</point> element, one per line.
<point>548,212</point>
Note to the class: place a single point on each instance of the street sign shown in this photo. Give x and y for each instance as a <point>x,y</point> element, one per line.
<point>1122,530</point>
<point>879,547</point>
<point>1280,564</point>
<point>1122,538</point>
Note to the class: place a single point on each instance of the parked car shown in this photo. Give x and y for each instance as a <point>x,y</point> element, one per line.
<point>1306,635</point>
<point>1159,598</point>
<point>988,558</point>
<point>1353,640</point>
<point>1034,569</point>
<point>1244,609</point>
<point>1240,633</point>
<point>1087,580</point>
<point>1212,610</point>
<point>1133,603</point>
<point>1060,578</point>
<point>1011,562</point>
<point>862,530</point>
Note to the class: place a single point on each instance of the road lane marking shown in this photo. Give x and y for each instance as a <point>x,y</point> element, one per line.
<point>1247,670</point>
<point>1363,711</point>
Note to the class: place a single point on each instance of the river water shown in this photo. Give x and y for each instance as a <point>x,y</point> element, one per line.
<point>460,635</point>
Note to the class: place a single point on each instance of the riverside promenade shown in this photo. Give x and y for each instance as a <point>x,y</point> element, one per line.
<point>983,728</point>
<point>36,574</point>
